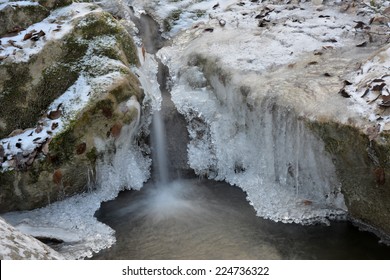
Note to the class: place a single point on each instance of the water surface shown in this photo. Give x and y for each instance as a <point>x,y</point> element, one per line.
<point>201,219</point>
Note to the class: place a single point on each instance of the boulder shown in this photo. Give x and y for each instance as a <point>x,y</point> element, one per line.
<point>61,96</point>
<point>14,245</point>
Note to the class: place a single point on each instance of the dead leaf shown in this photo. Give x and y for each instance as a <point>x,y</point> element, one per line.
<point>373,131</point>
<point>363,44</point>
<point>378,87</point>
<point>27,36</point>
<point>39,129</point>
<point>53,115</point>
<point>45,147</point>
<point>115,130</point>
<point>359,25</point>
<point>380,177</point>
<point>365,93</point>
<point>13,43</point>
<point>345,94</point>
<point>81,148</point>
<point>57,176</point>
<point>54,125</point>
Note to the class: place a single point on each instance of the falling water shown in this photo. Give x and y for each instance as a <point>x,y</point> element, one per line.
<point>160,162</point>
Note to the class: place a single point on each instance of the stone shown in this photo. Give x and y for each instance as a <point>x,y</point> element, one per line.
<point>60,166</point>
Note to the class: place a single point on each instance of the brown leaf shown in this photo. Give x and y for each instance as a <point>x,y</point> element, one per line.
<point>27,36</point>
<point>54,125</point>
<point>363,44</point>
<point>379,87</point>
<point>81,148</point>
<point>45,147</point>
<point>57,176</point>
<point>13,43</point>
<point>345,94</point>
<point>116,130</point>
<point>380,177</point>
<point>54,114</point>
<point>39,129</point>
<point>385,101</point>
<point>365,92</point>
<point>307,202</point>
<point>359,25</point>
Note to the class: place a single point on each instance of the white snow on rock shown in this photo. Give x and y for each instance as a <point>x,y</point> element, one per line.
<point>15,245</point>
<point>72,220</point>
<point>54,27</point>
<point>370,89</point>
<point>270,67</point>
<point>229,142</point>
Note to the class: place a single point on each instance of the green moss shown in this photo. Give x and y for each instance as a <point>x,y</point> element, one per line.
<point>74,48</point>
<point>104,107</point>
<point>92,155</point>
<point>53,4</point>
<point>199,13</point>
<point>97,25</point>
<point>128,47</point>
<point>62,146</point>
<point>130,116</point>
<point>362,167</point>
<point>170,20</point>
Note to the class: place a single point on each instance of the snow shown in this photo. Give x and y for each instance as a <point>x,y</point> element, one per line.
<point>368,102</point>
<point>55,27</point>
<point>16,245</point>
<point>268,152</point>
<point>4,4</point>
<point>72,220</point>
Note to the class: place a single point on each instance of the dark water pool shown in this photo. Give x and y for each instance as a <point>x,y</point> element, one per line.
<point>200,219</point>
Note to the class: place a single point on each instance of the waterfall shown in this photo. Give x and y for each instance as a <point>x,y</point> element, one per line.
<point>160,162</point>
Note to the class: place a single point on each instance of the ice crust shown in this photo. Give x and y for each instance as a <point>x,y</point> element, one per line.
<point>268,152</point>
<point>72,220</point>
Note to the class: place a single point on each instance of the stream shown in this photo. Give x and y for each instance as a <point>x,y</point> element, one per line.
<point>179,216</point>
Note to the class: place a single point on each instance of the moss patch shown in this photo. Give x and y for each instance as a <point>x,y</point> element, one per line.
<point>363,169</point>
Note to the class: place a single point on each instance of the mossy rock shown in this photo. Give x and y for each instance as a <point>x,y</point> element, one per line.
<point>54,4</point>
<point>363,168</point>
<point>27,89</point>
<point>15,16</point>
<point>69,167</point>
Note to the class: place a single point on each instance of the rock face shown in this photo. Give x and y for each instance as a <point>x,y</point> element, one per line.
<point>15,245</point>
<point>289,102</point>
<point>65,88</point>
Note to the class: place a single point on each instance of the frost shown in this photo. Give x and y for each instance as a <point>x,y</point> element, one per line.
<point>268,152</point>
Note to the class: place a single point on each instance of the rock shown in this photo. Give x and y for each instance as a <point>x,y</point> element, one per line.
<point>293,100</point>
<point>21,16</point>
<point>68,155</point>
<point>15,245</point>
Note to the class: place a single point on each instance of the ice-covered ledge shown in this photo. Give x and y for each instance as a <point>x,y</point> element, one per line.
<point>271,96</point>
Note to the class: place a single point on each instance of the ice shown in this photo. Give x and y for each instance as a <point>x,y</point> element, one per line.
<point>72,220</point>
<point>268,152</point>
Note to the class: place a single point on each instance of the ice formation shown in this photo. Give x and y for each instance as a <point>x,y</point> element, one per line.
<point>72,220</point>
